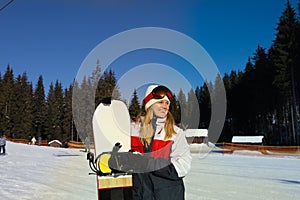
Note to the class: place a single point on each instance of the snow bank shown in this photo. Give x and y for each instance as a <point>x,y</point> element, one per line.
<point>247,152</point>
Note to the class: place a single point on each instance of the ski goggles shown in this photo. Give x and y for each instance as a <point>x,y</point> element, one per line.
<point>158,93</point>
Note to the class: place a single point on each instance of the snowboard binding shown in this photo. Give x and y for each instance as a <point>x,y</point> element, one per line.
<point>100,164</point>
<point>95,163</point>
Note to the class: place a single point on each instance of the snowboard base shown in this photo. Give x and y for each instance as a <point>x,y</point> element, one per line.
<point>105,182</point>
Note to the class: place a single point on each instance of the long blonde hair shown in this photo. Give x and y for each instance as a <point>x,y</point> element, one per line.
<point>146,131</point>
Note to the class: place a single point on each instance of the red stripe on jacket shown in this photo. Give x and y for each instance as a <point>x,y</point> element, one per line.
<point>136,144</point>
<point>160,148</point>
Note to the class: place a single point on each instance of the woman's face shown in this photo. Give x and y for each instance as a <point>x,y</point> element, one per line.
<point>161,108</point>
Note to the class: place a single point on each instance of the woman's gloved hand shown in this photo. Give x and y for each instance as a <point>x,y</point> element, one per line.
<point>134,162</point>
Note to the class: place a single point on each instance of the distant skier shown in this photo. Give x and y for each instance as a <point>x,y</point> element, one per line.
<point>33,140</point>
<point>2,144</point>
<point>39,140</point>
<point>29,139</point>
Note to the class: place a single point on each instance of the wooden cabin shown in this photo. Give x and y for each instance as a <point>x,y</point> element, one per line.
<point>197,136</point>
<point>55,143</point>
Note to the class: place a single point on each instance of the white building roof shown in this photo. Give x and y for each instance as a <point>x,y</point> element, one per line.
<point>196,133</point>
<point>57,141</point>
<point>247,139</point>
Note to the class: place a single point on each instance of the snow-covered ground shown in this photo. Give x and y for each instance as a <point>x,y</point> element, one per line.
<point>35,172</point>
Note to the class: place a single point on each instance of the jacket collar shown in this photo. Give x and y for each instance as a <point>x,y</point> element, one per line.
<point>158,123</point>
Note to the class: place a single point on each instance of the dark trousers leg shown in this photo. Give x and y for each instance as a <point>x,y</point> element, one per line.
<point>115,194</point>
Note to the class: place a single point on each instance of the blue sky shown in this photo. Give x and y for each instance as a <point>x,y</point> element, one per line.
<point>53,37</point>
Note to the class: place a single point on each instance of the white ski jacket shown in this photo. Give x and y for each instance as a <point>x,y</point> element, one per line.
<point>176,148</point>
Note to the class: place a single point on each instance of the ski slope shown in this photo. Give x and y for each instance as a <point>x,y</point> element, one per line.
<point>36,172</point>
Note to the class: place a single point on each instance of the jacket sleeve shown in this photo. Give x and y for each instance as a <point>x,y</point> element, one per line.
<point>180,154</point>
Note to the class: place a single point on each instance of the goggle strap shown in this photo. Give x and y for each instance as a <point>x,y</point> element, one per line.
<point>150,96</point>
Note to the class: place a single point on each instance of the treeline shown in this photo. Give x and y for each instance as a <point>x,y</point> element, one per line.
<point>26,111</point>
<point>263,99</point>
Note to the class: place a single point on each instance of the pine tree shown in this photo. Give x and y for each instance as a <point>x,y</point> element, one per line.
<point>205,104</point>
<point>2,105</point>
<point>297,72</point>
<point>110,85</point>
<point>183,109</point>
<point>50,116</point>
<point>55,112</point>
<point>85,110</point>
<point>234,103</point>
<point>264,92</point>
<point>193,112</point>
<point>96,81</point>
<point>134,106</point>
<point>21,107</point>
<point>175,109</point>
<point>39,109</point>
<point>68,128</point>
<point>226,134</point>
<point>284,59</point>
<point>245,107</point>
<point>76,109</point>
<point>7,94</point>
<point>218,109</point>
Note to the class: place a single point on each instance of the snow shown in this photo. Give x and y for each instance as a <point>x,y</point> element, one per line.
<point>37,172</point>
<point>247,139</point>
<point>225,176</point>
<point>196,132</point>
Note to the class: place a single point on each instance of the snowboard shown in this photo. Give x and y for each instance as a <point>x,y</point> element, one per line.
<point>111,125</point>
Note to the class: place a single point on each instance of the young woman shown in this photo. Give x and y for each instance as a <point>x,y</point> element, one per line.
<point>160,139</point>
<point>163,157</point>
